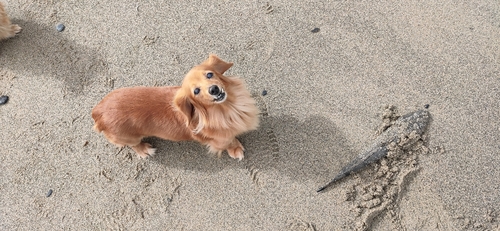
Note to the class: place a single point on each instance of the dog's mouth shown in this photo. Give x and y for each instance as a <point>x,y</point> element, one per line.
<point>219,98</point>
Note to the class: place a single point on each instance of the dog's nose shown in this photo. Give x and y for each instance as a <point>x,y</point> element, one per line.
<point>214,90</point>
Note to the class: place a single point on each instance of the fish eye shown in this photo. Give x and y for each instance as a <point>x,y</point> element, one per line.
<point>196,91</point>
<point>210,75</point>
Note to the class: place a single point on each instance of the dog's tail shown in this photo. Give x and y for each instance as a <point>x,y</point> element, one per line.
<point>97,117</point>
<point>97,128</point>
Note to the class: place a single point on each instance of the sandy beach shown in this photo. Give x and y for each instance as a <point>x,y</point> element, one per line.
<point>334,73</point>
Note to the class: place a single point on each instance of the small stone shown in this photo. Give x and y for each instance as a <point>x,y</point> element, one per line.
<point>264,93</point>
<point>371,203</point>
<point>3,99</point>
<point>315,30</point>
<point>60,27</point>
<point>383,170</point>
<point>367,196</point>
<point>427,106</point>
<point>49,193</point>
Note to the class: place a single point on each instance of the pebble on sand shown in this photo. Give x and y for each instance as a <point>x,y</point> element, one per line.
<point>315,30</point>
<point>264,93</point>
<point>60,27</point>
<point>3,99</point>
<point>49,193</point>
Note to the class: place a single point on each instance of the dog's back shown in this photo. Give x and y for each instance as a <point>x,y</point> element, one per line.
<point>137,112</point>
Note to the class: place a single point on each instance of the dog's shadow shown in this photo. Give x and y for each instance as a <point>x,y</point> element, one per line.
<point>313,149</point>
<point>44,52</point>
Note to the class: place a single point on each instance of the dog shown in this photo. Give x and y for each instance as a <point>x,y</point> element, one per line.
<point>7,29</point>
<point>208,107</point>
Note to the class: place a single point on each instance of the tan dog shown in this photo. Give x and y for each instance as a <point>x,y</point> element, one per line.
<point>209,107</point>
<point>7,29</point>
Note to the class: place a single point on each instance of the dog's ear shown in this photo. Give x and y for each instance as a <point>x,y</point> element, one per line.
<point>184,105</point>
<point>218,64</point>
<point>194,112</point>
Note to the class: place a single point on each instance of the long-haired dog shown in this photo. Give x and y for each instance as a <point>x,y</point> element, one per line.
<point>7,29</point>
<point>209,107</point>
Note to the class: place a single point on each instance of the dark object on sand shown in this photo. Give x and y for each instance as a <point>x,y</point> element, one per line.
<point>264,93</point>
<point>60,27</point>
<point>315,30</point>
<point>49,193</point>
<point>403,128</point>
<point>427,106</point>
<point>3,99</point>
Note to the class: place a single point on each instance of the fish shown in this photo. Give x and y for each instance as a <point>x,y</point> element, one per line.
<point>414,123</point>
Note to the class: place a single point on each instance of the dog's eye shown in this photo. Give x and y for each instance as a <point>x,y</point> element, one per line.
<point>196,91</point>
<point>210,75</point>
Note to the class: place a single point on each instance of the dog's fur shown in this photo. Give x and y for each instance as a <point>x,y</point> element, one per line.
<point>176,113</point>
<point>7,29</point>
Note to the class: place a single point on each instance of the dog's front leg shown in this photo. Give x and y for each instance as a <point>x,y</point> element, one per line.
<point>235,149</point>
<point>232,145</point>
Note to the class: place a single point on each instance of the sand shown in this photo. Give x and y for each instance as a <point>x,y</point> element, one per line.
<point>327,94</point>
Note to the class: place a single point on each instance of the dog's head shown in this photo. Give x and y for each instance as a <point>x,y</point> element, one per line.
<point>203,86</point>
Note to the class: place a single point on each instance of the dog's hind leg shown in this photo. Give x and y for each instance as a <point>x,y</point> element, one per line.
<point>144,150</point>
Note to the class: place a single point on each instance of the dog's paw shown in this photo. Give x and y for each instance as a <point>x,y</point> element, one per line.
<point>151,151</point>
<point>144,150</point>
<point>236,153</point>
<point>15,28</point>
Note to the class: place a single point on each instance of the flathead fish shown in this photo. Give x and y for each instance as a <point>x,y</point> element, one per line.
<point>408,125</point>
